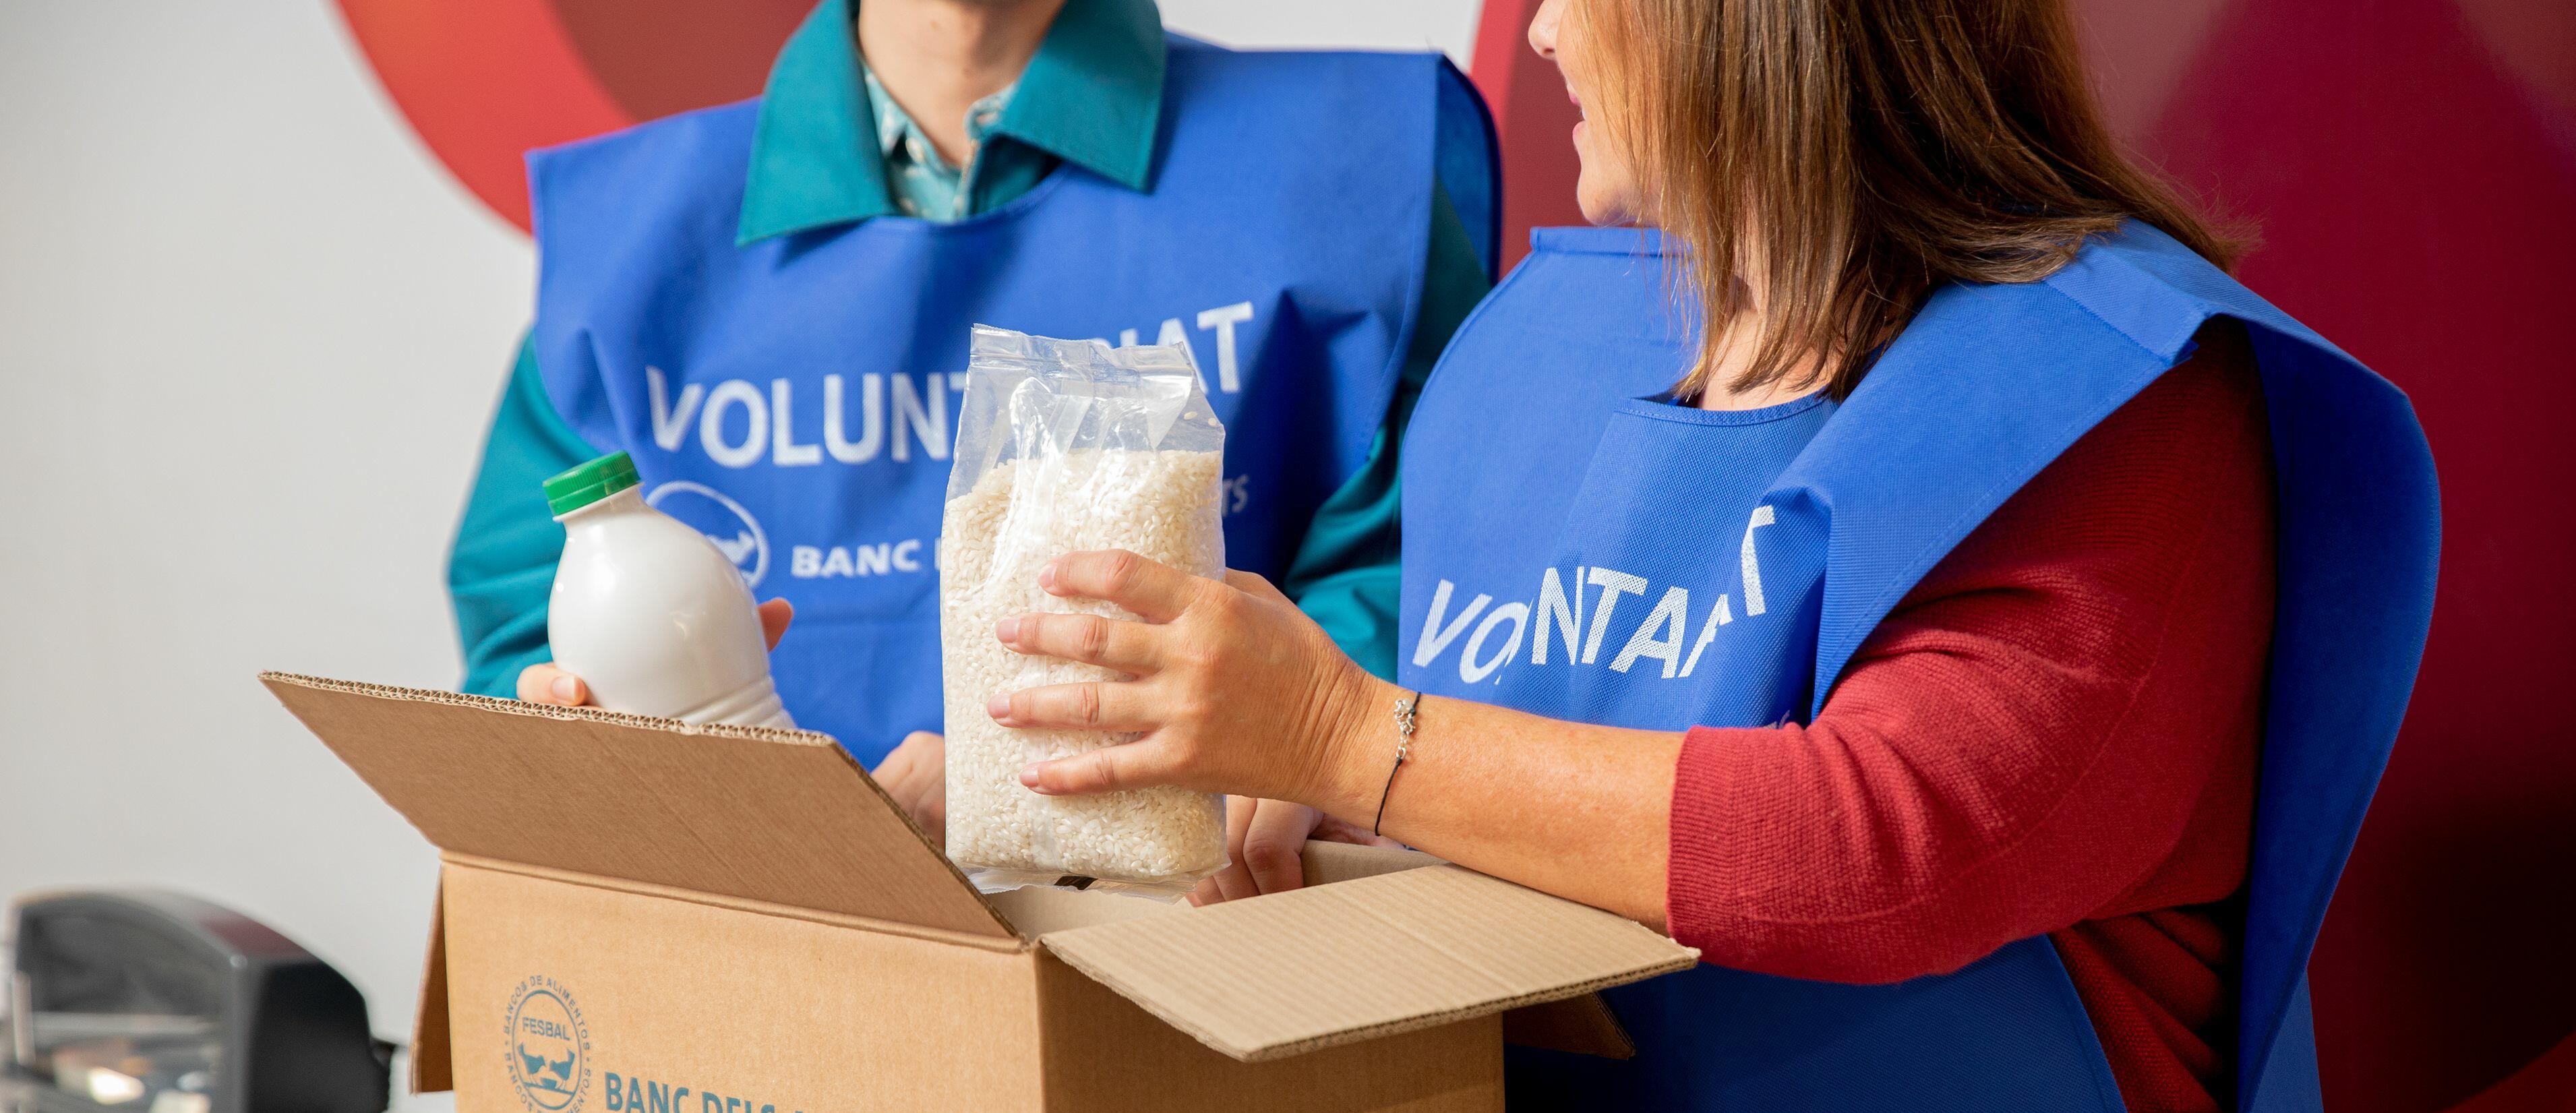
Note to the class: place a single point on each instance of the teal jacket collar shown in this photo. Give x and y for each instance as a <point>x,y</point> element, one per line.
<point>1092,96</point>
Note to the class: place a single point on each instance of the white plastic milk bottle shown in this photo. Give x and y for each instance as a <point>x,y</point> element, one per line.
<point>648,612</point>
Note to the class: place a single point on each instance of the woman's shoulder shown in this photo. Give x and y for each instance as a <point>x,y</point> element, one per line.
<point>2209,402</point>
<point>2148,479</point>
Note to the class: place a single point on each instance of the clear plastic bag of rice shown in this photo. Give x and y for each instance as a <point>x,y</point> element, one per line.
<point>1065,446</point>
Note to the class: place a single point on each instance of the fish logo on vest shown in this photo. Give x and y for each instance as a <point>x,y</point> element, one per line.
<point>548,1046</point>
<point>709,511</point>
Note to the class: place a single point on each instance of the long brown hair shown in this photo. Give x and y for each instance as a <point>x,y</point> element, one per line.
<point>1838,160</point>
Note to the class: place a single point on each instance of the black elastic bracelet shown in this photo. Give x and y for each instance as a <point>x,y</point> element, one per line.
<point>1404,706</point>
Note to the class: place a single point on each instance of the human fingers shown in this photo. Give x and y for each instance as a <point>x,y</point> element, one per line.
<point>1234,882</point>
<point>1107,769</point>
<point>928,747</point>
<point>548,684</point>
<point>900,773</point>
<point>1152,591</point>
<point>894,774</point>
<point>1274,845</point>
<point>915,776</point>
<point>1093,705</point>
<point>774,617</point>
<point>930,809</point>
<point>1129,647</point>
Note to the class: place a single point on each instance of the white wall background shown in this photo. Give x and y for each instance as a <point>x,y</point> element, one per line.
<point>249,336</point>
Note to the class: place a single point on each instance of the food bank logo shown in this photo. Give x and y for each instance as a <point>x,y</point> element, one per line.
<point>548,1046</point>
<point>723,520</point>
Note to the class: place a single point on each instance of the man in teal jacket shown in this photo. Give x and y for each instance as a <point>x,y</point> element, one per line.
<point>939,111</point>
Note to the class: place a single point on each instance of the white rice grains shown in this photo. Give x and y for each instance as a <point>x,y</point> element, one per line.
<point>1162,505</point>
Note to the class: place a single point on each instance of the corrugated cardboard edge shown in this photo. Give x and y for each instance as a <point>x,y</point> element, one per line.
<point>1001,944</point>
<point>1583,1024</point>
<point>274,680</point>
<point>432,1053</point>
<point>1327,862</point>
<point>548,710</point>
<point>1683,958</point>
<point>1374,1031</point>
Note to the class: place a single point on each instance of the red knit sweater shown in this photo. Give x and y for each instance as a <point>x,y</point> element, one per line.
<point>2056,732</point>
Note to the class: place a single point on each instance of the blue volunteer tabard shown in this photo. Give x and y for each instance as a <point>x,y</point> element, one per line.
<point>1576,546</point>
<point>795,397</point>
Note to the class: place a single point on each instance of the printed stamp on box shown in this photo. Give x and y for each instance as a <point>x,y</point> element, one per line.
<point>548,1046</point>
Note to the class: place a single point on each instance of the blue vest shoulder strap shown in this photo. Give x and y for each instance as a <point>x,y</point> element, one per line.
<point>2359,537</point>
<point>676,179</point>
<point>658,193</point>
<point>684,173</point>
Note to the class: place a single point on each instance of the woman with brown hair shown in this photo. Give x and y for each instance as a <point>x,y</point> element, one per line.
<point>1973,620</point>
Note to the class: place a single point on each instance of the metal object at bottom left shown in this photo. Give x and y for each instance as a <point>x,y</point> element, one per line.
<point>161,1003</point>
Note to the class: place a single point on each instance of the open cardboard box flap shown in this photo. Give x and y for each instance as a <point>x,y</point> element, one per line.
<point>1295,971</point>
<point>1397,942</point>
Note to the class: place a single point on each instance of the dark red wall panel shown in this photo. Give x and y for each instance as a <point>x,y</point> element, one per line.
<point>2409,167</point>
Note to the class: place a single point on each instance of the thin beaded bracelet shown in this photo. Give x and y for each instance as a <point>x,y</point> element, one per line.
<point>1404,707</point>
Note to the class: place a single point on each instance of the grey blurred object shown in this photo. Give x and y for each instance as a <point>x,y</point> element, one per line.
<point>160,1003</point>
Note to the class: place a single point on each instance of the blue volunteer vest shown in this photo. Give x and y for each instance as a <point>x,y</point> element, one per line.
<point>1576,549</point>
<point>796,398</point>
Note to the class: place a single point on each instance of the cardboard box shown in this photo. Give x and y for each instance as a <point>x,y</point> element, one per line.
<point>638,914</point>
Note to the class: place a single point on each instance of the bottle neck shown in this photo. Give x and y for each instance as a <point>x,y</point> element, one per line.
<point>627,501</point>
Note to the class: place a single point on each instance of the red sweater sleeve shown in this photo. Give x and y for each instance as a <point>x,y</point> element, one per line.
<point>2058,725</point>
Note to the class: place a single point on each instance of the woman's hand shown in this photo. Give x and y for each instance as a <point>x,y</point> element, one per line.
<point>1235,689</point>
<point>1265,844</point>
<point>916,776</point>
<point>547,684</point>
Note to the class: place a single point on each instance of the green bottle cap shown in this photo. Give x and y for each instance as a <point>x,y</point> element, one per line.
<point>590,483</point>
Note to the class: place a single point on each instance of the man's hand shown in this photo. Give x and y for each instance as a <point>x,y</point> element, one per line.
<point>916,776</point>
<point>547,684</point>
<point>1265,843</point>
